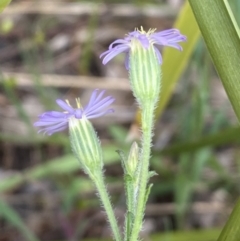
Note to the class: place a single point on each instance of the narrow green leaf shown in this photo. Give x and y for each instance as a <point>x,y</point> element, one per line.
<point>12,217</point>
<point>231,230</point>
<point>3,4</point>
<point>123,159</point>
<point>223,43</point>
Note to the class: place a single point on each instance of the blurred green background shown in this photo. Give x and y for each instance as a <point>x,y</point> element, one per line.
<point>50,49</point>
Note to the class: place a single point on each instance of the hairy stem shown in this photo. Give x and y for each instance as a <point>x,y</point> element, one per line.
<point>147,126</point>
<point>103,194</point>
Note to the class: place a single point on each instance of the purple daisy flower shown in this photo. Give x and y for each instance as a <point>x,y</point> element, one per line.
<point>55,121</point>
<point>169,37</point>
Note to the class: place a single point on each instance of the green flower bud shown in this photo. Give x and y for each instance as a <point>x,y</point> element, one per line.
<point>85,145</point>
<point>133,160</point>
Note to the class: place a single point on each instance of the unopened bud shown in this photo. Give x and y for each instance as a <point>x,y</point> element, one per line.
<point>133,160</point>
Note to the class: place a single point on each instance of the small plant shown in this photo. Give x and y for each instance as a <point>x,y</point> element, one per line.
<point>143,60</point>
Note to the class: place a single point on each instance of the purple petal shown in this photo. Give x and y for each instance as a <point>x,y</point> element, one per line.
<point>78,113</point>
<point>172,31</point>
<point>57,130</point>
<point>54,128</point>
<point>96,104</point>
<point>100,95</point>
<point>96,115</point>
<point>55,121</point>
<point>144,41</point>
<point>113,48</point>
<point>166,36</point>
<point>100,105</point>
<point>113,52</point>
<point>169,31</point>
<point>169,37</point>
<point>127,60</point>
<point>158,54</point>
<point>54,114</point>
<point>48,122</point>
<point>65,106</point>
<point>171,41</point>
<point>118,41</point>
<point>51,117</point>
<point>94,99</point>
<point>131,35</point>
<point>174,45</point>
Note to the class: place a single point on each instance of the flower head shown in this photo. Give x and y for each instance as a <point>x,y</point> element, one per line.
<point>55,121</point>
<point>169,37</point>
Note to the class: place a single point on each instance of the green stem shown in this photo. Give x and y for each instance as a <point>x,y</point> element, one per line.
<point>147,126</point>
<point>129,187</point>
<point>103,194</point>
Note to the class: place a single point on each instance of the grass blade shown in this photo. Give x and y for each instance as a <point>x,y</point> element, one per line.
<point>231,231</point>
<point>223,43</point>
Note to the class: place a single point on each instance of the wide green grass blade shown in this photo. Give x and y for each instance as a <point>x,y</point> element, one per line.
<point>231,231</point>
<point>223,43</point>
<point>12,217</point>
<point>3,4</point>
<point>221,36</point>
